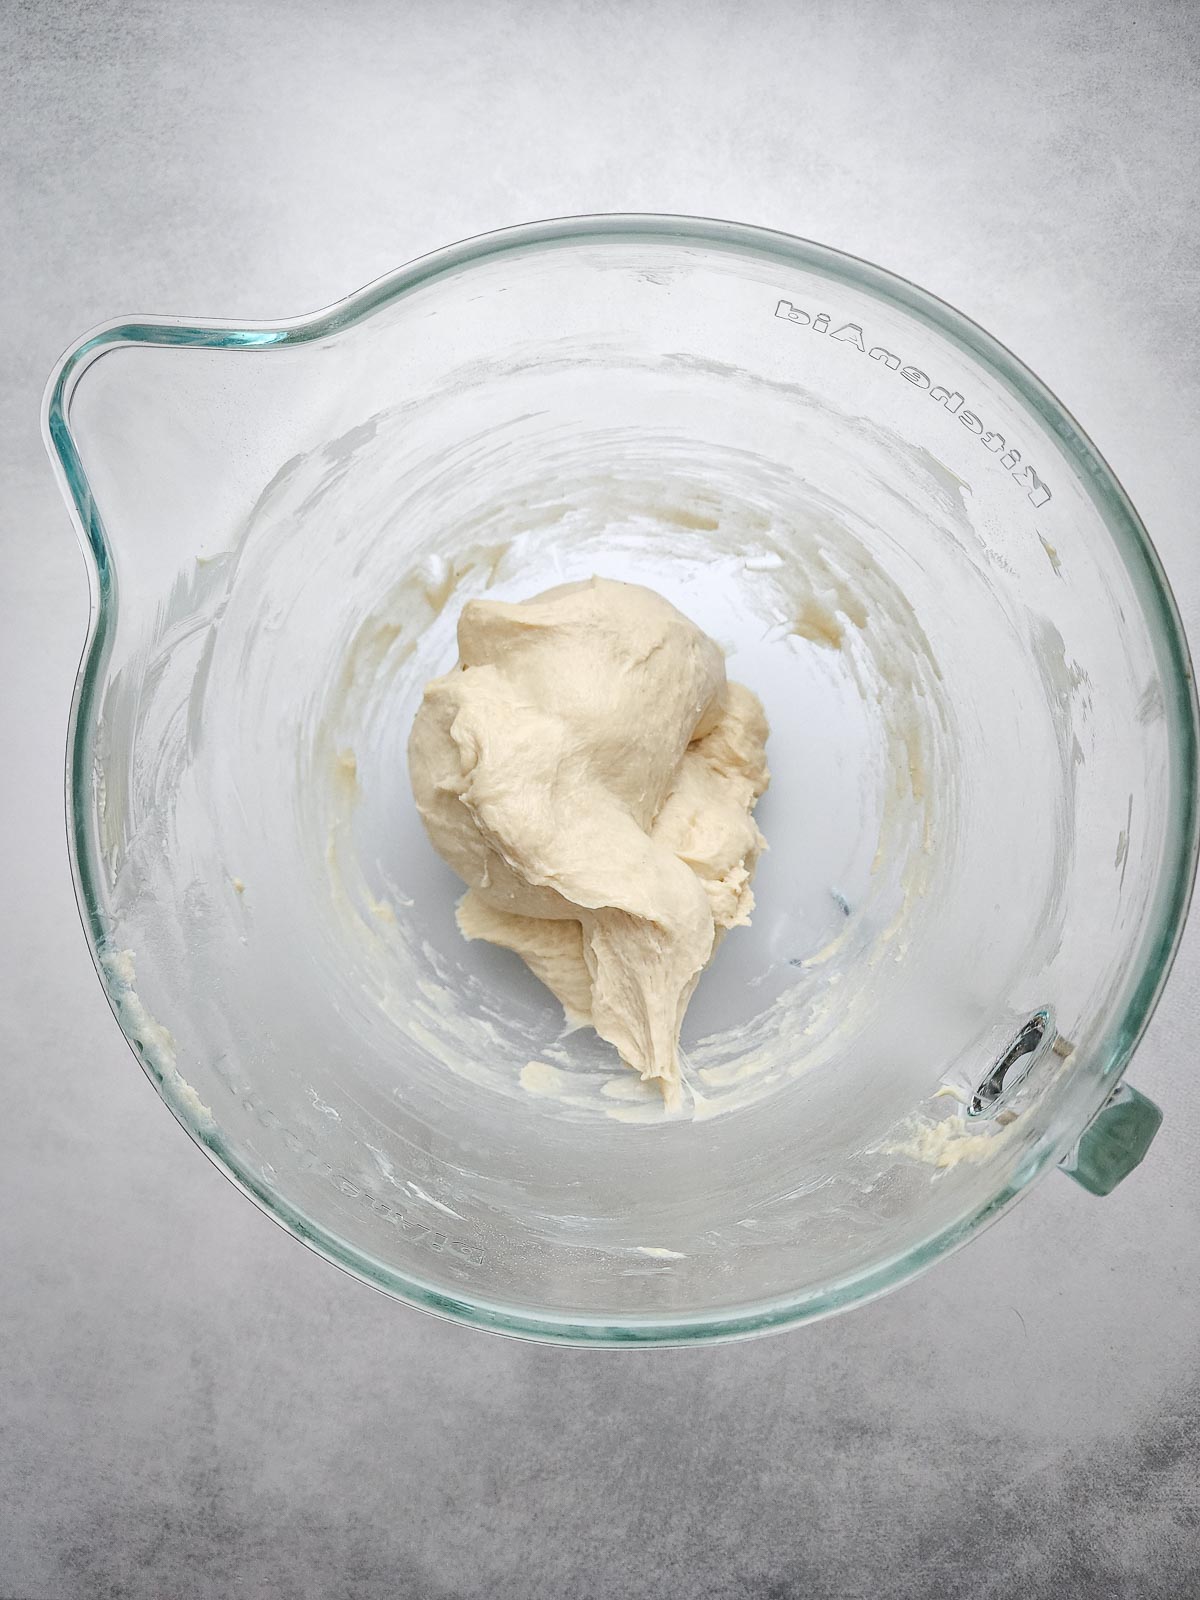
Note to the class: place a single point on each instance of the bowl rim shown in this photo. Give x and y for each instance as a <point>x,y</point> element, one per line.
<point>1164,924</point>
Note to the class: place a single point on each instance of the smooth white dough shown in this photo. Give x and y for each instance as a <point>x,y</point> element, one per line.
<point>590,774</point>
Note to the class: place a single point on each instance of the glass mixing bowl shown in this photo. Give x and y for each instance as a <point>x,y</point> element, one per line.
<point>982,823</point>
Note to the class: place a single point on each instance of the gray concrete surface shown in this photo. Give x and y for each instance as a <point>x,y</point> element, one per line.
<point>190,1403</point>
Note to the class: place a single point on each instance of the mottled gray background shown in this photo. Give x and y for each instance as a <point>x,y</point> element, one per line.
<point>190,1403</point>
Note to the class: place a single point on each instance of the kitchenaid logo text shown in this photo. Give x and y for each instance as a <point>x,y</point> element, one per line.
<point>407,1218</point>
<point>850,334</point>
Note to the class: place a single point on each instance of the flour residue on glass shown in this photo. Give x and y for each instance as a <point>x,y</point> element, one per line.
<point>295,663</point>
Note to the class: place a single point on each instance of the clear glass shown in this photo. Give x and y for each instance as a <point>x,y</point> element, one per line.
<point>982,822</point>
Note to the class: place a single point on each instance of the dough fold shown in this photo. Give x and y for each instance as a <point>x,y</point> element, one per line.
<point>590,774</point>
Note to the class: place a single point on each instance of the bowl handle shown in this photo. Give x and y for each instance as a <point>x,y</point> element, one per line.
<point>1115,1140</point>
